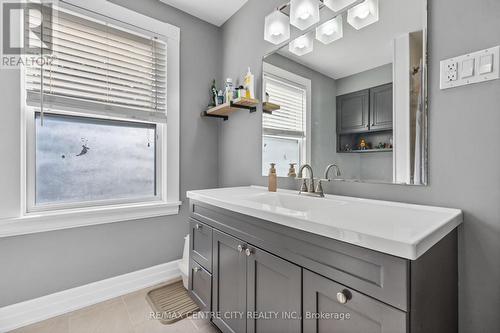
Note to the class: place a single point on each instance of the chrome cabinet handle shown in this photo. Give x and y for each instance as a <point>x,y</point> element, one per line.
<point>198,226</point>
<point>240,248</point>
<point>248,252</point>
<point>343,296</point>
<point>196,269</point>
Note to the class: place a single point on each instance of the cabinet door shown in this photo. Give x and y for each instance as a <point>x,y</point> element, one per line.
<point>381,108</point>
<point>358,314</point>
<point>352,112</point>
<point>229,283</point>
<point>273,290</point>
<point>200,243</point>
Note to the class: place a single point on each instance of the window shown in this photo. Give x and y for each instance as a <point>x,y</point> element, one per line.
<point>86,159</point>
<point>284,131</point>
<point>95,117</point>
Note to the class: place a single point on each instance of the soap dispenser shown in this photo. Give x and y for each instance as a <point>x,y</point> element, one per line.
<point>291,172</point>
<point>273,179</point>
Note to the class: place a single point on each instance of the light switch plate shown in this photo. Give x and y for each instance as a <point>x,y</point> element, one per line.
<point>470,68</point>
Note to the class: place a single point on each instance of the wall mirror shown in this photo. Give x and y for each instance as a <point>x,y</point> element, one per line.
<point>351,90</point>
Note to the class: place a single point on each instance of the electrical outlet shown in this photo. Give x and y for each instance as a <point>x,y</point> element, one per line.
<point>451,71</point>
<point>471,68</point>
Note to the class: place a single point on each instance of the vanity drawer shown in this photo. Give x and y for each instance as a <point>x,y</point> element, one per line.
<point>200,243</point>
<point>200,285</point>
<point>381,276</point>
<point>325,297</point>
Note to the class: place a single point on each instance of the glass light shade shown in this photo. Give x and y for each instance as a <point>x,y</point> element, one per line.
<point>304,13</point>
<point>301,45</point>
<point>364,14</point>
<point>277,27</point>
<point>330,31</point>
<point>338,5</point>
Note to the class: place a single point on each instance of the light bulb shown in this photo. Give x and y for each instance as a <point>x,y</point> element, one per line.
<point>275,30</point>
<point>304,13</point>
<point>363,11</point>
<point>329,30</point>
<point>364,14</point>
<point>301,45</point>
<point>276,27</point>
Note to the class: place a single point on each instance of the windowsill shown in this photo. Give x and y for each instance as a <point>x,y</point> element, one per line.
<point>74,218</point>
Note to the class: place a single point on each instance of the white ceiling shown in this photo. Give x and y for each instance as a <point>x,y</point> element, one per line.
<point>213,11</point>
<point>370,47</point>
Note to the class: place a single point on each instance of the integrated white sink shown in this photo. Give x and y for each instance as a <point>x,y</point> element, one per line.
<point>399,229</point>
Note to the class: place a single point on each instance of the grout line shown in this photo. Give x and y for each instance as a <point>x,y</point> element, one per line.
<point>128,313</point>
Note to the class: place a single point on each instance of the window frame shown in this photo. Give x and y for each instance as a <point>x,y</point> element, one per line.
<point>66,215</point>
<point>278,73</point>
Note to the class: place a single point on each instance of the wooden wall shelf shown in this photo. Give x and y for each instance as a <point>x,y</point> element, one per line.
<point>270,107</point>
<point>224,110</point>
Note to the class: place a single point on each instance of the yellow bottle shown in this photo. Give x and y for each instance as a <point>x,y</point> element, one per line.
<point>248,84</point>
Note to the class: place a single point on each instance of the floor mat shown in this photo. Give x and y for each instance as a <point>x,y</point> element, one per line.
<point>171,302</point>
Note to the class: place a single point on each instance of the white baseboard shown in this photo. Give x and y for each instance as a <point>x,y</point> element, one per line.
<point>38,309</point>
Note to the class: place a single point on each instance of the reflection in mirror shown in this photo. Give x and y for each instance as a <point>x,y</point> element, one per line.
<point>358,101</point>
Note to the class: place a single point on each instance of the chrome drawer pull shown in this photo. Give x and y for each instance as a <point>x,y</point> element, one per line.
<point>196,269</point>
<point>248,252</point>
<point>240,248</point>
<point>198,226</point>
<point>343,296</point>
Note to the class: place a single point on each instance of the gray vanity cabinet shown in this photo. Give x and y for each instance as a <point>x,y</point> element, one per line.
<point>341,309</point>
<point>381,108</point>
<point>229,283</point>
<point>353,112</point>
<point>273,286</point>
<point>261,267</point>
<point>247,279</point>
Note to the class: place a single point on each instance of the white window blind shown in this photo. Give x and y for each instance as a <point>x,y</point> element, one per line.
<point>290,118</point>
<point>99,67</point>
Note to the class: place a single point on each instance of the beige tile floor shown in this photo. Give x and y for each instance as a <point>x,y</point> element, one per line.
<point>125,314</point>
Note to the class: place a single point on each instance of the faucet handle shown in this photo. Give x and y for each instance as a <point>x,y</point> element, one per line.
<point>319,187</point>
<point>303,187</point>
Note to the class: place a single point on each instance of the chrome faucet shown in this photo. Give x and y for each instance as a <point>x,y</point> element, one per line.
<point>319,188</point>
<point>304,188</point>
<point>311,189</point>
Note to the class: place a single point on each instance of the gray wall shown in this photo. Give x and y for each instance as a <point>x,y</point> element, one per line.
<point>463,167</point>
<point>40,264</point>
<point>371,78</point>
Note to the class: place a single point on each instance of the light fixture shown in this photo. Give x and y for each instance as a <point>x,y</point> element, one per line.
<point>277,28</point>
<point>301,45</point>
<point>330,31</point>
<point>364,14</point>
<point>338,5</point>
<point>304,13</point>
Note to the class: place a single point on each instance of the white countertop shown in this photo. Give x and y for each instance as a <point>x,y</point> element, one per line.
<point>399,229</point>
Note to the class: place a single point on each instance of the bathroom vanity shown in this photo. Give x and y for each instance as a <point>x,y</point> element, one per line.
<point>280,262</point>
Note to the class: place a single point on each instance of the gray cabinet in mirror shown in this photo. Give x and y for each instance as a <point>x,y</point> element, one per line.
<point>365,92</point>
